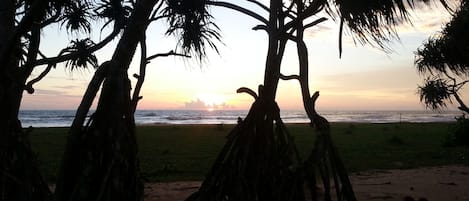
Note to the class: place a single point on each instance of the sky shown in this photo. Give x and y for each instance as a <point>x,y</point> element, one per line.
<point>364,78</point>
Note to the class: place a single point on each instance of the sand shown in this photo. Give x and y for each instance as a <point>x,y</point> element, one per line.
<point>447,183</point>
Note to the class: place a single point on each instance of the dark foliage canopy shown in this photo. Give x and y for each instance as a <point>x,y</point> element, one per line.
<point>449,50</point>
<point>84,57</point>
<point>445,58</point>
<point>193,22</point>
<point>435,92</point>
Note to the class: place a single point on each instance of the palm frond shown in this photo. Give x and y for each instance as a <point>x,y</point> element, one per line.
<point>56,7</point>
<point>434,93</point>
<point>449,49</point>
<point>429,58</point>
<point>114,11</point>
<point>84,56</point>
<point>372,21</point>
<point>22,50</point>
<point>77,16</point>
<point>191,21</point>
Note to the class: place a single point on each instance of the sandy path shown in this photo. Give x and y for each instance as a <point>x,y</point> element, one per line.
<point>448,183</point>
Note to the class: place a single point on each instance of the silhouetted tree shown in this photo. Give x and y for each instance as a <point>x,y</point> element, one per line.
<point>444,58</point>
<point>260,160</point>
<point>100,160</point>
<point>21,25</point>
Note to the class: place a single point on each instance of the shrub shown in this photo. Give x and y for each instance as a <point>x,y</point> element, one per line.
<point>459,135</point>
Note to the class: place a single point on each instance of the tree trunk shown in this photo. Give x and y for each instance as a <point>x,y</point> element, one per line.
<point>100,162</point>
<point>257,163</point>
<point>20,178</point>
<point>324,157</point>
<point>260,161</point>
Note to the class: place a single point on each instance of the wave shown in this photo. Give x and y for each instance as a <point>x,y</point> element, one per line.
<point>183,118</point>
<point>150,114</point>
<point>64,118</point>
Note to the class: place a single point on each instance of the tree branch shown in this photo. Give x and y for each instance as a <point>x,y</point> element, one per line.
<point>63,58</point>
<point>29,86</point>
<point>308,12</point>
<point>456,86</point>
<point>261,27</point>
<point>35,12</point>
<point>144,60</point>
<point>289,77</point>
<point>51,20</point>
<point>341,29</point>
<point>248,91</point>
<point>462,106</point>
<point>315,22</point>
<point>33,50</point>
<point>260,5</point>
<point>88,97</point>
<point>239,9</point>
<point>153,19</point>
<point>461,84</point>
<point>140,78</point>
<point>170,53</point>
<point>289,12</point>
<point>157,9</point>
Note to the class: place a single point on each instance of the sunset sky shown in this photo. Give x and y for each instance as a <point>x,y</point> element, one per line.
<point>364,78</point>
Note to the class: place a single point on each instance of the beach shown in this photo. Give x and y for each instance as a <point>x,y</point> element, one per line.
<point>443,183</point>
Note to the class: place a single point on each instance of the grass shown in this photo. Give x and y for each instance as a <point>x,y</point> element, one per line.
<point>186,152</point>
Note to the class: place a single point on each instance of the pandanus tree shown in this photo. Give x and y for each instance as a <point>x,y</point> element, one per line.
<point>22,24</point>
<point>100,160</point>
<point>444,60</point>
<point>260,160</point>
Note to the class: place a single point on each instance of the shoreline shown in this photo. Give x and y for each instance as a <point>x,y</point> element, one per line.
<point>42,118</point>
<point>233,124</point>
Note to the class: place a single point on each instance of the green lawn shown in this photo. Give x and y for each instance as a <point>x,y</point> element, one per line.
<point>185,152</point>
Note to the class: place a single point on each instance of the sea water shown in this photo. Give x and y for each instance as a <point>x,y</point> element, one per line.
<point>64,118</point>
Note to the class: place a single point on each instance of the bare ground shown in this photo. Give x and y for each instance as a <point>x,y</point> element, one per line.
<point>448,183</point>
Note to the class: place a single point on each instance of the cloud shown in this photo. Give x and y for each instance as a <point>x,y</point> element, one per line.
<point>381,88</point>
<point>427,19</point>
<point>201,105</point>
<point>67,87</point>
<point>195,104</point>
<point>50,99</point>
<point>320,30</point>
<point>49,92</point>
<point>376,79</point>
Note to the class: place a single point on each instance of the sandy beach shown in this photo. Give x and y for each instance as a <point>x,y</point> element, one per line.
<point>446,183</point>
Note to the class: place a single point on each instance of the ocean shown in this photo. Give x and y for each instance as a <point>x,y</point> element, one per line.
<point>64,118</point>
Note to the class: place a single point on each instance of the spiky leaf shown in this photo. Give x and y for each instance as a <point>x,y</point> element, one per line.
<point>191,21</point>
<point>77,17</point>
<point>84,57</point>
<point>435,92</point>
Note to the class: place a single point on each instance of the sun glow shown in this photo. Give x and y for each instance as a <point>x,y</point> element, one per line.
<point>212,101</point>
